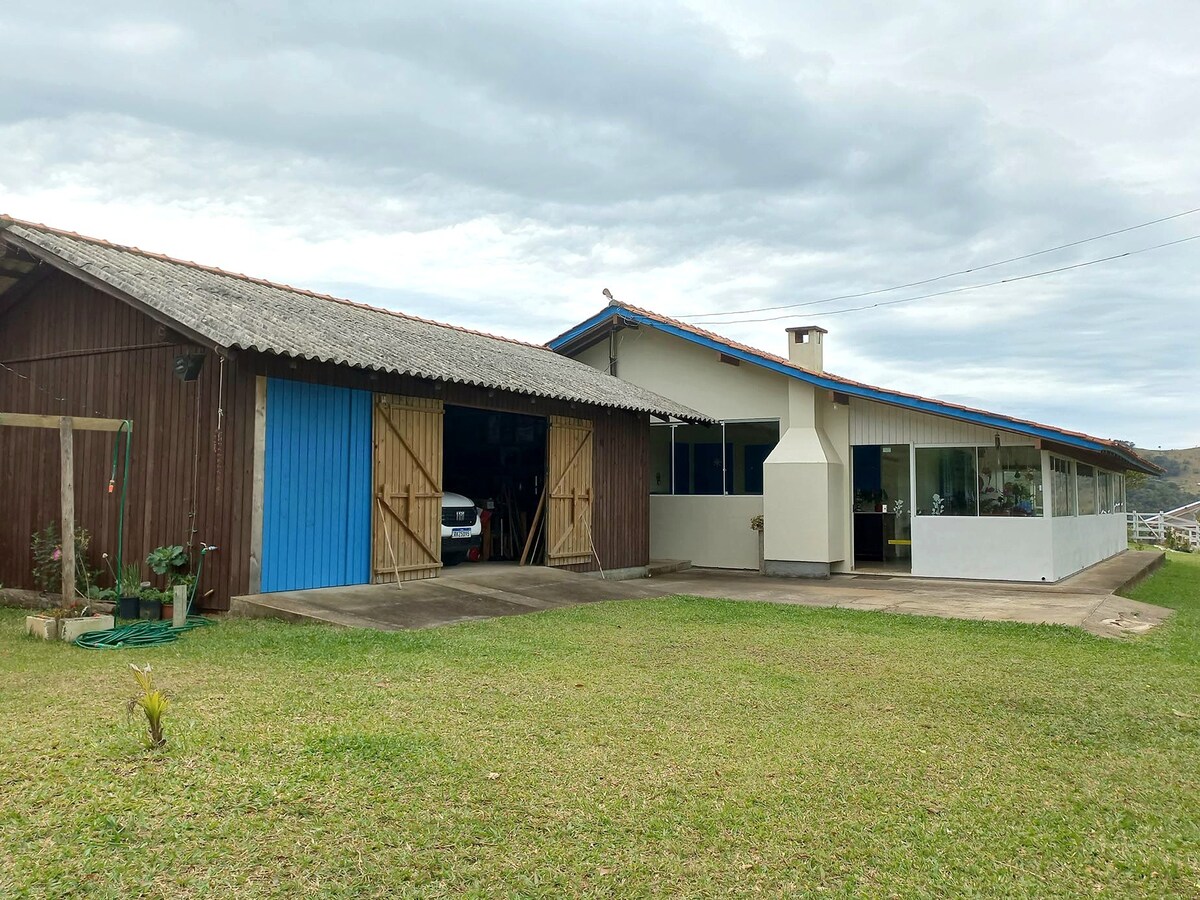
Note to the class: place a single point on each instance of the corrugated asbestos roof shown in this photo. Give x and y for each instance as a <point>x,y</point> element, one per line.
<point>238,312</point>
<point>622,314</point>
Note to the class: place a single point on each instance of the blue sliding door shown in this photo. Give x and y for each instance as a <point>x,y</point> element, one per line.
<point>317,487</point>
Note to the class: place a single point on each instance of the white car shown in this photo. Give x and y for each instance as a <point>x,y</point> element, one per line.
<point>462,530</point>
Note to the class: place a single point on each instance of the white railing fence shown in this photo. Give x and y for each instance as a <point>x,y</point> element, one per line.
<point>1153,528</point>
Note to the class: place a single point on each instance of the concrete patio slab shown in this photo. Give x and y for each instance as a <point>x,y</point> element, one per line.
<point>463,594</point>
<point>1086,600</point>
<point>486,591</point>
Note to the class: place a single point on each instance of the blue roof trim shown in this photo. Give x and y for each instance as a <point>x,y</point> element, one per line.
<point>862,391</point>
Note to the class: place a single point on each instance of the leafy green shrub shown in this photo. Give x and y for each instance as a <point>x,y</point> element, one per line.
<point>46,547</point>
<point>169,561</point>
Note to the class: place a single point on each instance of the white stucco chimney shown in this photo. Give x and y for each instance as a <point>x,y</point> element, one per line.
<point>806,347</point>
<point>805,489</point>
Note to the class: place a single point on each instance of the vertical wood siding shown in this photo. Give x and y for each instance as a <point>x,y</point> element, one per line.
<point>878,423</point>
<point>569,503</point>
<point>190,480</point>
<point>317,487</point>
<point>407,488</point>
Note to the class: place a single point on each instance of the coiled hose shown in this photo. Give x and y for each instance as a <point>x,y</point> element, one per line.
<point>138,634</point>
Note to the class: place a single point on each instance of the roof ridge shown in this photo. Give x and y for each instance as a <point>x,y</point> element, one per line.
<point>763,354</point>
<point>7,220</point>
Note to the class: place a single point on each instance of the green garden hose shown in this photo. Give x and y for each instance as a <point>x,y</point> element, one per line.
<point>127,427</point>
<point>139,634</point>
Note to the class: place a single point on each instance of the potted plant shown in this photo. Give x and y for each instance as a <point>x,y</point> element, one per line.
<point>756,524</point>
<point>168,600</point>
<point>150,602</point>
<point>131,587</point>
<point>169,562</point>
<point>124,592</point>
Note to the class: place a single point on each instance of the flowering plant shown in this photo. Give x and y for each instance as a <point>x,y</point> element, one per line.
<point>46,547</point>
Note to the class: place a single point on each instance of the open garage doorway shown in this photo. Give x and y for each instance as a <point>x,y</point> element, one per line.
<point>494,462</point>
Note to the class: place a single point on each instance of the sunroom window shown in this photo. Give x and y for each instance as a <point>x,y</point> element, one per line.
<point>1085,488</point>
<point>1010,481</point>
<point>1063,486</point>
<point>946,481</point>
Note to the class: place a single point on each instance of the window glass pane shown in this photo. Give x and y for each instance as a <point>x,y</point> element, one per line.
<point>946,484</point>
<point>660,459</point>
<point>1112,492</point>
<point>1103,480</point>
<point>1063,486</point>
<point>749,443</point>
<point>1010,481</point>
<point>698,459</point>
<point>1085,484</point>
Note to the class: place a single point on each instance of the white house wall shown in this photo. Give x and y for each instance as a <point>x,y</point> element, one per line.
<point>992,548</point>
<point>1082,541</point>
<point>878,423</point>
<point>694,376</point>
<point>710,531</point>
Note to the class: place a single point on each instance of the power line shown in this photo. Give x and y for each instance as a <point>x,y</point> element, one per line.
<point>969,287</point>
<point>911,284</point>
<point>52,394</point>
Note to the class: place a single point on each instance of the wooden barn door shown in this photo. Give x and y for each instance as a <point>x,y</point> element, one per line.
<point>569,516</point>
<point>407,515</point>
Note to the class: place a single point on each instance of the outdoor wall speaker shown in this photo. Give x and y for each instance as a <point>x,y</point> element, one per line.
<point>187,366</point>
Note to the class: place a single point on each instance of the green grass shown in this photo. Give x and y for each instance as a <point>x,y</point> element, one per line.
<point>662,748</point>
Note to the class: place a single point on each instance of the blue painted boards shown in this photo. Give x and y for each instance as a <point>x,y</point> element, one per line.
<point>317,487</point>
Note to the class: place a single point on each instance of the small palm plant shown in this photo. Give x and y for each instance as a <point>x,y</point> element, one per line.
<point>153,702</point>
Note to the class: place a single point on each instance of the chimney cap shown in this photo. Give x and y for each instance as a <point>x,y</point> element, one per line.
<point>805,329</point>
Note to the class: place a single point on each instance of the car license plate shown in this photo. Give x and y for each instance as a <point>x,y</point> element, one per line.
<point>460,532</point>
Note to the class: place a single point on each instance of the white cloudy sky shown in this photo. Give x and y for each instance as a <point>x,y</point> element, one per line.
<point>498,164</point>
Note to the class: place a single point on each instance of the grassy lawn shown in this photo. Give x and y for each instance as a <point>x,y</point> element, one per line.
<point>675,748</point>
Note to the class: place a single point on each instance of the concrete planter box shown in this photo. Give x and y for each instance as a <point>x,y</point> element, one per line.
<point>49,628</point>
<point>44,627</point>
<point>69,629</point>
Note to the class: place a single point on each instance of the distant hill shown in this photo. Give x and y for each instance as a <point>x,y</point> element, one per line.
<point>1180,484</point>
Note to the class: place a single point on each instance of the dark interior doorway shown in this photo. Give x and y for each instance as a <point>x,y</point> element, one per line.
<point>882,518</point>
<point>498,460</point>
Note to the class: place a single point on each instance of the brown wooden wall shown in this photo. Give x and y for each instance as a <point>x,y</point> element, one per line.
<point>621,519</point>
<point>180,461</point>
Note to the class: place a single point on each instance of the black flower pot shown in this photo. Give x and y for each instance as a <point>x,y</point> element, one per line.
<point>127,607</point>
<point>151,610</point>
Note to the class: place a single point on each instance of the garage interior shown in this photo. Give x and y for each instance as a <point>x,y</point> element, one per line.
<point>498,460</point>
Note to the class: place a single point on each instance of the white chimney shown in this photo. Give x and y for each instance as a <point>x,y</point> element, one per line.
<point>806,347</point>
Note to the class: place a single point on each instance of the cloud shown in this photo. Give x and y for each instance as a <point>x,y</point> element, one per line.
<point>499,164</point>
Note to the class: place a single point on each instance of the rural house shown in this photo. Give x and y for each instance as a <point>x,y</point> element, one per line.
<point>310,439</point>
<point>850,477</point>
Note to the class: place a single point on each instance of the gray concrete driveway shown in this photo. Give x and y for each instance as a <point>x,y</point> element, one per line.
<point>471,593</point>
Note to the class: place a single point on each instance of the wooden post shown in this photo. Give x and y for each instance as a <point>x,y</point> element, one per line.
<point>179,618</point>
<point>537,515</point>
<point>66,439</point>
<point>67,426</point>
